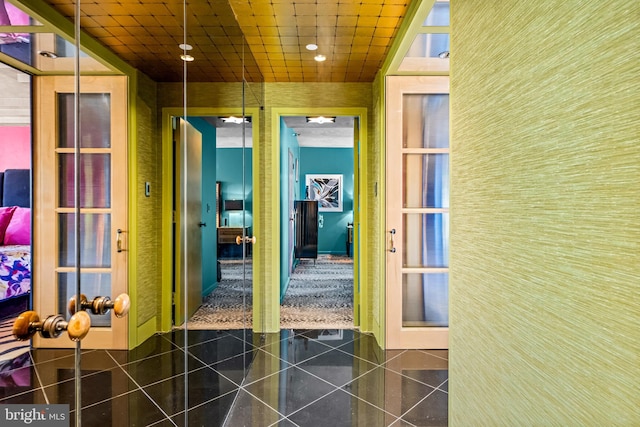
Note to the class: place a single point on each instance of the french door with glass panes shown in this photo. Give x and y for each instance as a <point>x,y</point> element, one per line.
<point>417,212</point>
<point>103,202</point>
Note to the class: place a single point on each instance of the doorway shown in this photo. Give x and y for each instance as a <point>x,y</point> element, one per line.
<point>317,216</point>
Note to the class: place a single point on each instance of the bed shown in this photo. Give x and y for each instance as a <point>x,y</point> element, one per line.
<point>15,241</point>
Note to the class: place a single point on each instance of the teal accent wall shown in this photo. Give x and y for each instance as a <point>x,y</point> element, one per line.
<point>288,142</point>
<point>332,229</point>
<point>229,174</point>
<point>209,238</point>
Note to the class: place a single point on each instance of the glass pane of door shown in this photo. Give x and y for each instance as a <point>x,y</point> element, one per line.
<point>426,223</point>
<point>94,192</point>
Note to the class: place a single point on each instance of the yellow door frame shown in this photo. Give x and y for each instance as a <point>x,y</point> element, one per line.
<point>360,252</point>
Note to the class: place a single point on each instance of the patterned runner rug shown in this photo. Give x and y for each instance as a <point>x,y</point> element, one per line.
<point>319,296</point>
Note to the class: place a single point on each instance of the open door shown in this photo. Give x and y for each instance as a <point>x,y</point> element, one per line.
<point>188,221</point>
<point>417,212</point>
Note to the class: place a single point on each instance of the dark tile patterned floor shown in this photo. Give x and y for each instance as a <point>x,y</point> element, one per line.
<point>237,378</point>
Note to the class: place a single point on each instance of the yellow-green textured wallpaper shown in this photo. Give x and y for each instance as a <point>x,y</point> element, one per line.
<point>545,213</point>
<point>375,210</point>
<point>149,212</point>
<point>326,96</point>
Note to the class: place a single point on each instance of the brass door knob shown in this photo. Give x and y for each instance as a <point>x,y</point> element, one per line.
<point>102,305</point>
<point>247,239</point>
<point>121,305</point>
<point>78,326</point>
<point>28,323</point>
<point>72,305</point>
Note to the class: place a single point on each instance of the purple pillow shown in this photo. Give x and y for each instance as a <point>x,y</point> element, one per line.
<point>6,212</point>
<point>19,229</point>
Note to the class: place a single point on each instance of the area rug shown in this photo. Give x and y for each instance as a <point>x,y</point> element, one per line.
<point>319,296</point>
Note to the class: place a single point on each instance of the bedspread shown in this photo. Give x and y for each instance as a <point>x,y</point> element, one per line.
<point>15,270</point>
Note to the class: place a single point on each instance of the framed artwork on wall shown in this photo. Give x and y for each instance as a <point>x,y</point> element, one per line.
<point>327,190</point>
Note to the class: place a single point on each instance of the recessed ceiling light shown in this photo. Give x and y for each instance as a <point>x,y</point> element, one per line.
<point>185,46</point>
<point>312,46</point>
<point>236,120</point>
<point>187,58</point>
<point>47,54</point>
<point>320,58</point>
<point>321,120</point>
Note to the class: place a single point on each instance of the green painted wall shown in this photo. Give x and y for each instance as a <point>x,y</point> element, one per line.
<point>332,227</point>
<point>545,213</point>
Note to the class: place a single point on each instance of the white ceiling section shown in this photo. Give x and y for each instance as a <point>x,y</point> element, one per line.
<point>327,135</point>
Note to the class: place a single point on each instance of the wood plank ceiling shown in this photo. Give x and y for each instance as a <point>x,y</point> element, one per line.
<point>268,36</point>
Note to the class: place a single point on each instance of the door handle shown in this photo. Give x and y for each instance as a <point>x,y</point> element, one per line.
<point>202,224</point>
<point>119,240</point>
<point>393,247</point>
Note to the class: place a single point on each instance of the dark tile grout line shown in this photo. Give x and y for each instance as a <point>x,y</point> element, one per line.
<point>46,398</point>
<point>241,387</point>
<point>331,384</point>
<point>182,413</point>
<point>435,390</point>
<point>138,388</point>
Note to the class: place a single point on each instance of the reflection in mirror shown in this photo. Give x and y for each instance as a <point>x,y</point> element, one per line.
<point>33,47</point>
<point>227,278</point>
<point>15,201</point>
